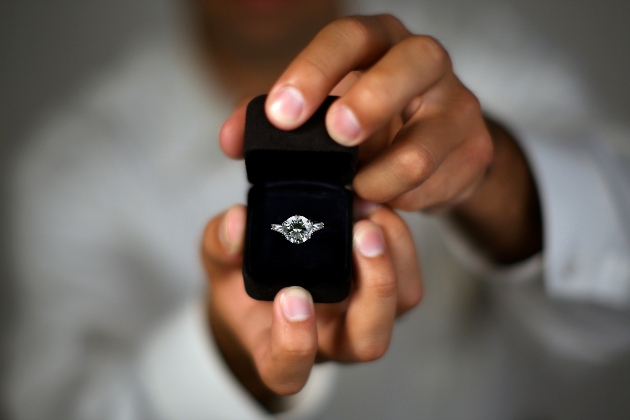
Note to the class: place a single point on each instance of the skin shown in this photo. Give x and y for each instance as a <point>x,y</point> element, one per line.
<point>273,355</point>
<point>250,42</point>
<point>424,146</point>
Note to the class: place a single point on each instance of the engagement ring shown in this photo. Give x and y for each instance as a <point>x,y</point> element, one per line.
<point>297,229</point>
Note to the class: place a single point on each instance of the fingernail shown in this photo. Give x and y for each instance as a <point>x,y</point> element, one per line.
<point>296,304</point>
<point>363,208</point>
<point>344,127</point>
<point>369,240</point>
<point>287,106</point>
<point>231,230</point>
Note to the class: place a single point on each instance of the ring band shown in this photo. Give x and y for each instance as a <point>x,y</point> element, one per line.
<point>297,229</point>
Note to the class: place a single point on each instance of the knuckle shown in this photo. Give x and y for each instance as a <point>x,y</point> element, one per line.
<point>370,351</point>
<point>376,94</point>
<point>406,202</point>
<point>431,49</point>
<point>468,104</point>
<point>399,230</point>
<point>315,61</point>
<point>286,388</point>
<point>394,225</point>
<point>296,351</point>
<point>389,19</point>
<point>383,286</point>
<point>393,25</point>
<point>376,85</point>
<point>354,28</point>
<point>483,148</point>
<point>411,298</point>
<point>414,164</point>
<point>384,29</point>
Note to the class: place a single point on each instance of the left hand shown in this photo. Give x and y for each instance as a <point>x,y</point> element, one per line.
<point>424,142</point>
<point>272,346</point>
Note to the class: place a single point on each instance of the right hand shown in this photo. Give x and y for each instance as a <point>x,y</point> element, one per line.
<point>272,346</point>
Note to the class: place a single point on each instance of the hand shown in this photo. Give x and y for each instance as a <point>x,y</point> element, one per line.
<point>424,142</point>
<point>272,346</point>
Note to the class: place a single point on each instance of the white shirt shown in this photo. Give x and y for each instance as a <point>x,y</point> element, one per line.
<point>113,192</point>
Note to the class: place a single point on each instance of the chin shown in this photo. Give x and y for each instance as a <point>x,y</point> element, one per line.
<point>262,26</point>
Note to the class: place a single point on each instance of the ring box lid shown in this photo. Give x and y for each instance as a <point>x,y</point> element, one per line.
<point>307,153</point>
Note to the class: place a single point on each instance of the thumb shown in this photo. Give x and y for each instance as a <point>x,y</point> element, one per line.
<point>286,364</point>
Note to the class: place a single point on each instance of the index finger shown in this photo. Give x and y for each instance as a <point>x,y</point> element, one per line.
<point>232,133</point>
<point>363,334</point>
<point>347,44</point>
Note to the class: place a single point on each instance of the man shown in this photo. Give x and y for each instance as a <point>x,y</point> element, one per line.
<point>116,195</point>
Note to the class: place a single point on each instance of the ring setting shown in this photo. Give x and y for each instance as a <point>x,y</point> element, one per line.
<point>297,229</point>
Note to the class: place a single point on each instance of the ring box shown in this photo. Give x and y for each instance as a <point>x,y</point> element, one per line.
<point>299,172</point>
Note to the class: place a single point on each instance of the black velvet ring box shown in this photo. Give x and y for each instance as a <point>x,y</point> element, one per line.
<point>299,172</point>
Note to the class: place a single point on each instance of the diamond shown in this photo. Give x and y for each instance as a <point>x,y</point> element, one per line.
<point>297,229</point>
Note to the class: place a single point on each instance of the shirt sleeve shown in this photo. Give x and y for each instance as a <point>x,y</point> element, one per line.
<point>584,189</point>
<point>573,297</point>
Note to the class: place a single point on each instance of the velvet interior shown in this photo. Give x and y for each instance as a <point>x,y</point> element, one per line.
<point>279,165</point>
<point>323,264</point>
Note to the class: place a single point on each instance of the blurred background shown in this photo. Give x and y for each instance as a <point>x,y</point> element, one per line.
<point>49,49</point>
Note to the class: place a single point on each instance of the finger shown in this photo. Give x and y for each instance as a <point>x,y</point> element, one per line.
<point>366,331</point>
<point>223,238</point>
<point>451,112</point>
<point>416,153</point>
<point>455,180</point>
<point>374,145</point>
<point>345,83</point>
<point>232,133</point>
<point>408,69</point>
<point>404,257</point>
<point>233,317</point>
<point>363,208</point>
<point>347,44</point>
<point>284,357</point>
